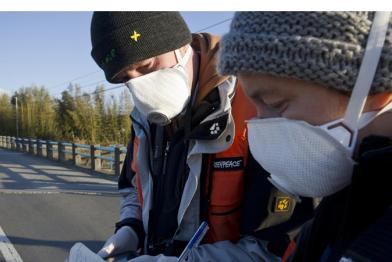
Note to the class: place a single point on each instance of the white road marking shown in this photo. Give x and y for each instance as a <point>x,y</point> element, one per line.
<point>7,249</point>
<point>47,192</point>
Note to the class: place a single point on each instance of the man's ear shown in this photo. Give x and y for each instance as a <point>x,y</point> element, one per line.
<point>377,101</point>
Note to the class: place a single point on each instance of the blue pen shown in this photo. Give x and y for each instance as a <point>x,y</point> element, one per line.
<point>195,240</point>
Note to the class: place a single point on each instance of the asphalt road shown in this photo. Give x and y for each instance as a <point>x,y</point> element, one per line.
<point>45,207</point>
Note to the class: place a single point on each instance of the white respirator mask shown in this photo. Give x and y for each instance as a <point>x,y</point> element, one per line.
<point>317,161</point>
<point>163,94</point>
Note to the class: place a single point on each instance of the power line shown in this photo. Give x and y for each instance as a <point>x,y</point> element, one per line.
<point>97,91</point>
<point>91,83</point>
<point>208,27</point>
<point>76,78</point>
<point>101,81</point>
<point>108,89</point>
<point>83,86</point>
<point>88,81</point>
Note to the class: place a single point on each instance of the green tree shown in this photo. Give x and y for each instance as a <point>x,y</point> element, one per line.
<point>64,115</point>
<point>123,118</point>
<point>75,116</point>
<point>36,112</point>
<point>100,114</point>
<point>7,118</point>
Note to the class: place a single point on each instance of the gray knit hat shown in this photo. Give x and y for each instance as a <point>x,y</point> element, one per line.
<point>323,47</point>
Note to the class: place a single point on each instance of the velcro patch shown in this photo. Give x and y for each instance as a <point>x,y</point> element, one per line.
<point>282,204</point>
<point>229,163</point>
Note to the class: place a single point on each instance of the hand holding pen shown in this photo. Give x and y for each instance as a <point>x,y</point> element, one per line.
<point>195,241</point>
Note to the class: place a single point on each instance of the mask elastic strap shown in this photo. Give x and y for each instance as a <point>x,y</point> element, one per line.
<point>368,117</point>
<point>366,74</point>
<point>183,60</point>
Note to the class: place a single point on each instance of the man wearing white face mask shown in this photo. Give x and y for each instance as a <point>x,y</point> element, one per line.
<point>322,85</point>
<point>188,156</point>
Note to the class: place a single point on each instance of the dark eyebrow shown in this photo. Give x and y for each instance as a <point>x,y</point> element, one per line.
<point>141,64</point>
<point>122,73</point>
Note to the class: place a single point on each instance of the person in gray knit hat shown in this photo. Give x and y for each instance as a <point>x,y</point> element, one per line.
<point>322,85</point>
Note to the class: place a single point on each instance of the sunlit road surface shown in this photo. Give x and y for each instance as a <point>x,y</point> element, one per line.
<point>45,207</point>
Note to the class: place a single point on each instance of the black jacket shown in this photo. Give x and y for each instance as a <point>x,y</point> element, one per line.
<point>356,222</point>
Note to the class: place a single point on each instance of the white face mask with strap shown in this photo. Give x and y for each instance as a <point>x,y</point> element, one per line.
<point>163,94</point>
<point>316,161</point>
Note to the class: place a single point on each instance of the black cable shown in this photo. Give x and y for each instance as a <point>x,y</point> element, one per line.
<point>83,76</point>
<point>76,78</point>
<point>208,27</point>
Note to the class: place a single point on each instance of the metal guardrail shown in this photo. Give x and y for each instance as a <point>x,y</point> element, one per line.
<point>82,146</point>
<point>108,149</point>
<point>65,151</point>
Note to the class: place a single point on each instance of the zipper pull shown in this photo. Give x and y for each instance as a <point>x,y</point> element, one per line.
<point>165,157</point>
<point>167,148</point>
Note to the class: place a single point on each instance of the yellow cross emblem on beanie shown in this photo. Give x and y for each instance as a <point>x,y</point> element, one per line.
<point>135,36</point>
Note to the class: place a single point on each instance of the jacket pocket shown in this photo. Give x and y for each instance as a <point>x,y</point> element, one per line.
<point>224,212</point>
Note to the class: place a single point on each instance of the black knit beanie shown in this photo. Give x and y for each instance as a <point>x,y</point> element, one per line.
<point>120,39</point>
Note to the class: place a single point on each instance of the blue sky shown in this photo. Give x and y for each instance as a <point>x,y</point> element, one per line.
<point>51,48</point>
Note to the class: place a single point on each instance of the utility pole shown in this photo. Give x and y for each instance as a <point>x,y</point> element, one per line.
<point>17,118</point>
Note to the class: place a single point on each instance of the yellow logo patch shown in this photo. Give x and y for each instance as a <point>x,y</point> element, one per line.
<point>282,204</point>
<point>135,36</point>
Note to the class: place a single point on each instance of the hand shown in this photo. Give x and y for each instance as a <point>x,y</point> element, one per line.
<point>79,252</point>
<point>124,240</point>
<point>159,258</point>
